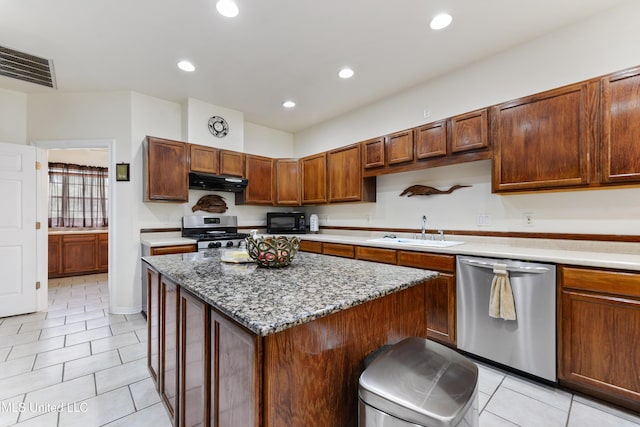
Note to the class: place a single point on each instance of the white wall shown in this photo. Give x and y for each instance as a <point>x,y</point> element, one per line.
<point>264,141</point>
<point>13,117</point>
<point>601,45</point>
<point>86,157</point>
<point>196,115</point>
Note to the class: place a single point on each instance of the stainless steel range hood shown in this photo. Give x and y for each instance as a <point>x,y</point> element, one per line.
<point>206,181</point>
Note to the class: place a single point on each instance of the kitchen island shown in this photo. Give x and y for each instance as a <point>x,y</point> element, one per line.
<point>239,345</point>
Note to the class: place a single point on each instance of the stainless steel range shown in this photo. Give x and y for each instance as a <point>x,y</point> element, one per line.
<point>213,231</point>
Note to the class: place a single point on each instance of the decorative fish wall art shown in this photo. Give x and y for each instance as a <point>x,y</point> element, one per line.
<point>423,190</point>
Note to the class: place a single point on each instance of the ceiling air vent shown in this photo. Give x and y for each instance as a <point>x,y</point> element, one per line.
<point>29,68</point>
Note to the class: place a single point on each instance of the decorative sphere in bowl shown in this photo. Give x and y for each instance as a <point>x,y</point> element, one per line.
<point>273,252</point>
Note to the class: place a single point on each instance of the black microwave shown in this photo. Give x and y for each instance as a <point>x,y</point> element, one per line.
<point>286,223</point>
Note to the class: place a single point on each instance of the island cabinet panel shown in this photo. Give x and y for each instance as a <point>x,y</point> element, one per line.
<point>312,370</point>
<point>338,249</point>
<point>440,298</point>
<point>194,361</point>
<point>236,374</point>
<point>373,153</point>
<point>399,147</point>
<point>314,179</point>
<point>387,256</point>
<point>153,323</point>
<point>599,334</point>
<point>204,159</point>
<point>169,345</point>
<point>310,246</point>
<point>287,175</point>
<point>259,172</point>
<point>545,140</point>
<point>469,131</point>
<point>231,163</point>
<point>620,153</point>
<point>431,140</point>
<point>166,171</point>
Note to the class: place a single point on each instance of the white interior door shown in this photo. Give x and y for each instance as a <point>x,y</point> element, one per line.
<point>18,256</point>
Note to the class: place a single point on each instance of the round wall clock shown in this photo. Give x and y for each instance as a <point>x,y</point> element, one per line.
<point>218,126</point>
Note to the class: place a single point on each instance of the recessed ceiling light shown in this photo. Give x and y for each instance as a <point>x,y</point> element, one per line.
<point>227,8</point>
<point>186,66</point>
<point>440,21</point>
<point>288,104</point>
<point>345,73</point>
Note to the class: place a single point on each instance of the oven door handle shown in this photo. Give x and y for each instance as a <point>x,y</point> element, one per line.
<point>511,268</point>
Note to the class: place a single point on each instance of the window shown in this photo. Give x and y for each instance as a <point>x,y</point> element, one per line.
<point>78,196</point>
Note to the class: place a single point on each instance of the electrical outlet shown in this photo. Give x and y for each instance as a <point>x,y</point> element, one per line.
<point>528,219</point>
<point>483,219</point>
<point>426,113</point>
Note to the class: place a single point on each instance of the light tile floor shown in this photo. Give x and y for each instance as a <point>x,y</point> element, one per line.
<point>78,365</point>
<point>75,364</point>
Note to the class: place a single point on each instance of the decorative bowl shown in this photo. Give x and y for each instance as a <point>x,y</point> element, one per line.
<point>272,252</point>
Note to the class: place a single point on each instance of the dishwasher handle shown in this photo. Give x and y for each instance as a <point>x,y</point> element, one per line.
<point>515,269</point>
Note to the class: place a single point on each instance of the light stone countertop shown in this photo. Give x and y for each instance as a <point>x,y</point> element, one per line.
<point>615,255</point>
<point>269,300</point>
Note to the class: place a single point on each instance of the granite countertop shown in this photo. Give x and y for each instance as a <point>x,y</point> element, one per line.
<point>267,301</point>
<point>617,255</point>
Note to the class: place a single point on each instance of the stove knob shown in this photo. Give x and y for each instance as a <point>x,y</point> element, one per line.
<point>229,244</point>
<point>215,244</point>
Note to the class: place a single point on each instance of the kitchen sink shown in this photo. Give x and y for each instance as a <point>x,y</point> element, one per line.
<point>418,242</point>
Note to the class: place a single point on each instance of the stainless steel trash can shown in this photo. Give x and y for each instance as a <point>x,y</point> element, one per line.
<point>419,383</point>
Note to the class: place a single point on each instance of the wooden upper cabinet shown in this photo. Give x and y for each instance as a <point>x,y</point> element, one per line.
<point>288,180</point>
<point>431,140</point>
<point>314,179</point>
<point>545,140</point>
<point>232,163</point>
<point>373,153</point>
<point>166,171</point>
<point>345,176</point>
<point>400,147</point>
<point>259,172</point>
<point>469,131</point>
<point>620,147</point>
<point>204,159</point>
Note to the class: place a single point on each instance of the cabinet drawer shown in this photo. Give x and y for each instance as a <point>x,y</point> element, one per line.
<point>177,249</point>
<point>338,249</point>
<point>308,246</point>
<point>427,261</point>
<point>387,256</point>
<point>611,282</point>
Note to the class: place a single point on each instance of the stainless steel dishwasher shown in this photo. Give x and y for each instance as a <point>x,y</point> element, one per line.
<point>527,343</point>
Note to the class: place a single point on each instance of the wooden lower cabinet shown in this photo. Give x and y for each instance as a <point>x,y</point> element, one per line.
<point>599,334</point>
<point>338,249</point>
<point>54,250</point>
<point>310,246</point>
<point>174,249</point>
<point>76,254</point>
<point>440,293</point>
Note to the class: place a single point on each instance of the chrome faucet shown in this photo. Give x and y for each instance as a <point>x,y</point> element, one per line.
<point>424,227</point>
